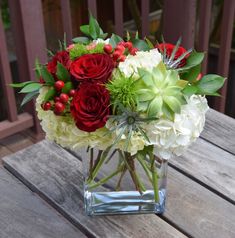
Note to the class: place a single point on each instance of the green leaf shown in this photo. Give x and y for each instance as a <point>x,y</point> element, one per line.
<point>19,85</point>
<point>182,83</point>
<point>37,68</point>
<point>192,74</point>
<point>48,78</point>
<point>190,90</point>
<point>50,94</point>
<point>114,40</point>
<point>62,73</point>
<point>193,60</point>
<point>81,39</point>
<point>85,30</point>
<point>29,97</point>
<point>67,87</point>
<point>103,36</point>
<point>94,28</point>
<point>150,44</point>
<point>210,83</point>
<point>141,44</point>
<point>31,87</point>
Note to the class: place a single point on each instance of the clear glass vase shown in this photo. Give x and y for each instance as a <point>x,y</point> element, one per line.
<point>117,183</point>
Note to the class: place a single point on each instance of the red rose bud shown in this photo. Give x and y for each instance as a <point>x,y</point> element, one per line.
<point>133,51</point>
<point>41,80</point>
<point>59,85</point>
<point>90,106</point>
<point>64,97</point>
<point>128,45</point>
<point>120,48</point>
<point>108,49</point>
<point>59,108</point>
<point>92,67</point>
<point>72,92</point>
<point>122,58</point>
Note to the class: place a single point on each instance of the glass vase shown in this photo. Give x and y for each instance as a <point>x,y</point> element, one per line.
<point>116,182</point>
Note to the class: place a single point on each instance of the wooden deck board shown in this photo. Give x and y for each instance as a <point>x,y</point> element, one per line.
<point>191,207</point>
<point>25,215</point>
<point>56,175</point>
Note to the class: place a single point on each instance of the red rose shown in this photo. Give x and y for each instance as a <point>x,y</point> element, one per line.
<point>62,57</point>
<point>90,106</point>
<point>169,49</point>
<point>95,67</point>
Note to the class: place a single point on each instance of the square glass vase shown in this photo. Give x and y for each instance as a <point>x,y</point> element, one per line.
<point>115,182</point>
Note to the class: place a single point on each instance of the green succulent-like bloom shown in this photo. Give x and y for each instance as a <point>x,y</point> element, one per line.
<point>159,92</point>
<point>122,90</point>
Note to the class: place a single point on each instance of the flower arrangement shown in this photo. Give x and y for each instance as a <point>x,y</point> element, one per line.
<point>130,96</point>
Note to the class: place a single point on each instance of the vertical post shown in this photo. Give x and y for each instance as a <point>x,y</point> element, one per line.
<point>92,6</point>
<point>145,17</point>
<point>66,19</point>
<point>118,15</point>
<point>5,74</point>
<point>30,41</point>
<point>225,49</point>
<point>204,29</point>
<point>179,21</point>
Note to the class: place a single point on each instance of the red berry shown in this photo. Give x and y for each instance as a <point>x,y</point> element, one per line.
<point>56,99</point>
<point>120,48</point>
<point>108,49</point>
<point>128,45</point>
<point>133,51</point>
<point>47,106</point>
<point>122,58</point>
<point>116,55</point>
<point>64,97</point>
<point>59,108</point>
<point>59,85</point>
<point>72,92</point>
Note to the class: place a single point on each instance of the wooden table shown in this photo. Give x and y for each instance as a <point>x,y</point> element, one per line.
<point>200,202</point>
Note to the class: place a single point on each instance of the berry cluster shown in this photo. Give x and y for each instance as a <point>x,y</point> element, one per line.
<point>120,51</point>
<point>58,105</point>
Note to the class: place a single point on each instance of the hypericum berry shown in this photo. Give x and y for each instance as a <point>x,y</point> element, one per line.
<point>57,99</point>
<point>72,92</point>
<point>116,55</point>
<point>59,85</point>
<point>133,51</point>
<point>108,49</point>
<point>59,108</point>
<point>122,58</point>
<point>128,45</point>
<point>64,97</point>
<point>120,48</point>
<point>47,106</point>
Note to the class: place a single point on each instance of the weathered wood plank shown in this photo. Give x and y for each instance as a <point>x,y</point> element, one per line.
<point>24,215</point>
<point>210,165</point>
<point>220,130</point>
<point>56,175</point>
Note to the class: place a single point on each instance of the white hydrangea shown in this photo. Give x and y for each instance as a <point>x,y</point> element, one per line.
<point>99,40</point>
<point>173,137</point>
<point>142,59</point>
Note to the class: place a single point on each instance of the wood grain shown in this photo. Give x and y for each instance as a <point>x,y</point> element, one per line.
<point>56,176</point>
<point>220,130</point>
<point>211,165</point>
<point>24,215</point>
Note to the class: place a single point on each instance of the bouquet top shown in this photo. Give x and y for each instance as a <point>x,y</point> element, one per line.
<point>111,93</point>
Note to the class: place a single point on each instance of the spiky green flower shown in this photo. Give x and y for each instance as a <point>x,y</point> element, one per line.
<point>159,91</point>
<point>80,49</point>
<point>122,90</point>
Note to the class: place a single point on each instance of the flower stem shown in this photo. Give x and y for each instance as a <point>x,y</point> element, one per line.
<point>104,180</point>
<point>145,167</point>
<point>155,179</point>
<point>117,188</point>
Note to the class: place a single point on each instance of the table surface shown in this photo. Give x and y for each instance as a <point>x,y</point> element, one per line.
<point>200,186</point>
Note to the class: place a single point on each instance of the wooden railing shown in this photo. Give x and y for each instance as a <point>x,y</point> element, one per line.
<point>179,19</point>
